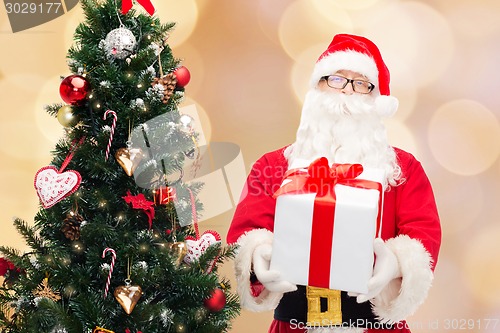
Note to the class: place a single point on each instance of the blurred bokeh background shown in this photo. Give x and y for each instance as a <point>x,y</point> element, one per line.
<point>250,62</point>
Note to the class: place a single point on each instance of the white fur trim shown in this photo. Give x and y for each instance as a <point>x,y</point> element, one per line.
<point>336,330</point>
<point>243,266</point>
<point>345,60</point>
<point>386,106</point>
<point>402,297</point>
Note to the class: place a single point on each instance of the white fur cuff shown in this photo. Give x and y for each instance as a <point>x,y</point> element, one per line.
<point>247,242</point>
<point>402,297</point>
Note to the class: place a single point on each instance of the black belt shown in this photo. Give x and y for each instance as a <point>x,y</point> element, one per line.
<point>293,309</point>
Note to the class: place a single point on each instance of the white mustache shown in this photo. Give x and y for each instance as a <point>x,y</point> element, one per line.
<point>341,104</point>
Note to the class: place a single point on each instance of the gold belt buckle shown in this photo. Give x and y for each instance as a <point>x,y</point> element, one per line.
<point>332,315</point>
<point>101,330</point>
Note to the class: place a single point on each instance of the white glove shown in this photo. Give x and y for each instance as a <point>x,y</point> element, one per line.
<point>385,270</point>
<point>269,278</point>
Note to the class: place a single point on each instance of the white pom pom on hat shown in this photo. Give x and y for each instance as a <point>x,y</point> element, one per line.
<point>386,106</point>
<point>361,55</point>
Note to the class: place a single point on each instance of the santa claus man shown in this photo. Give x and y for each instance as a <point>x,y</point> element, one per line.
<point>342,120</point>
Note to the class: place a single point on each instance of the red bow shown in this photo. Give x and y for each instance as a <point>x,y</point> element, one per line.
<point>139,202</point>
<point>321,179</point>
<point>146,4</point>
<point>6,265</point>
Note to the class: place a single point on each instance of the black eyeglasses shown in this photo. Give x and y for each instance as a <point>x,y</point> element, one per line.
<point>340,82</point>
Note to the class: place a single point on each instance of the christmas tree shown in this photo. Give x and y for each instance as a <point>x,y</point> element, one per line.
<point>115,246</point>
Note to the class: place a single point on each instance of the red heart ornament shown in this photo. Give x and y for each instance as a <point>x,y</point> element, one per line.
<point>196,247</point>
<point>52,186</point>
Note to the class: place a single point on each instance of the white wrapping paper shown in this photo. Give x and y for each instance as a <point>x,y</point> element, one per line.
<point>355,224</point>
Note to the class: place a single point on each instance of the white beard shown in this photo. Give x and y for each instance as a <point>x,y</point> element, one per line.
<point>344,129</point>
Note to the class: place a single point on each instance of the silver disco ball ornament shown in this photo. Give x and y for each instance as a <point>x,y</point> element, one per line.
<point>119,43</point>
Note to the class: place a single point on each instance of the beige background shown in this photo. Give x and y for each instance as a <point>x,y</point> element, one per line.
<point>250,62</point>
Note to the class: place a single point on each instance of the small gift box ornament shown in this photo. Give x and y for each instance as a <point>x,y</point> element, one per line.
<point>325,223</point>
<point>164,195</point>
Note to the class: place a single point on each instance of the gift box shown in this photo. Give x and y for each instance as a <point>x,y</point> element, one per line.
<point>325,223</point>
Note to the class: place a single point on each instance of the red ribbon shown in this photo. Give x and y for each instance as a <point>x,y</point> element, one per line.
<point>321,179</point>
<point>72,149</point>
<point>148,6</point>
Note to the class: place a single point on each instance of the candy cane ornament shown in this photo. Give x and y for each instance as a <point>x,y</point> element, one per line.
<point>113,126</point>
<point>111,267</point>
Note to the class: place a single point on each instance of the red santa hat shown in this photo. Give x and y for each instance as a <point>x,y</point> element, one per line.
<point>361,55</point>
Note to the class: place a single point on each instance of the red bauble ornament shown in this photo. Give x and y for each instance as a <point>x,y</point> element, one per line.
<point>216,301</point>
<point>183,76</point>
<point>74,89</point>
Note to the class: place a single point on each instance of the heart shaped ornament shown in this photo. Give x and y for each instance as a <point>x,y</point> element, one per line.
<point>52,186</point>
<point>129,159</point>
<point>128,296</point>
<point>196,247</point>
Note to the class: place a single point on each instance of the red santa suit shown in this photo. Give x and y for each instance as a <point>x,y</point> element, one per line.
<point>410,228</point>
